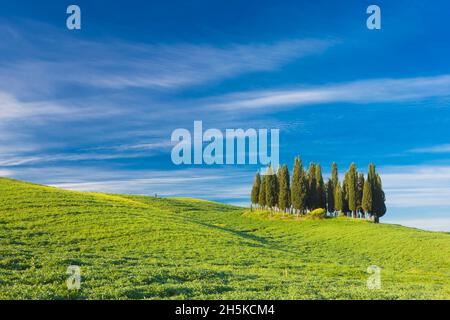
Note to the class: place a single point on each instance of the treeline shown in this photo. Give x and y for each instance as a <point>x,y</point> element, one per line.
<point>358,196</point>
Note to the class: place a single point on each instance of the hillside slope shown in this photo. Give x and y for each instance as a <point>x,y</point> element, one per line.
<point>134,247</point>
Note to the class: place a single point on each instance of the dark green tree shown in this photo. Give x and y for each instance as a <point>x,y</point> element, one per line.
<point>359,192</point>
<point>379,199</point>
<point>255,189</point>
<point>352,178</point>
<point>277,183</point>
<point>378,196</point>
<point>295,185</point>
<point>367,199</point>
<point>345,207</point>
<point>262,192</point>
<point>338,198</point>
<point>334,174</point>
<point>271,188</point>
<point>284,198</point>
<point>299,187</point>
<point>330,196</point>
<point>321,198</point>
<point>311,193</point>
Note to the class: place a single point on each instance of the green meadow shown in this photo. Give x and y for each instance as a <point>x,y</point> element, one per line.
<point>136,247</point>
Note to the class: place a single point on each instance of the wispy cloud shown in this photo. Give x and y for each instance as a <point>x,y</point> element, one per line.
<point>6,173</point>
<point>11,108</point>
<point>442,148</point>
<point>118,64</point>
<point>361,92</point>
<point>231,185</point>
<point>411,186</point>
<point>433,224</point>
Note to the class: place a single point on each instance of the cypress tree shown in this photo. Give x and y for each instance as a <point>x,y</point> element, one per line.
<point>284,189</point>
<point>299,189</point>
<point>351,189</point>
<point>330,196</point>
<point>338,198</point>
<point>255,189</point>
<point>295,185</point>
<point>262,192</point>
<point>320,189</point>
<point>303,190</point>
<point>379,199</point>
<point>345,208</point>
<point>311,193</point>
<point>271,188</point>
<point>277,184</point>
<point>334,174</point>
<point>367,198</point>
<point>378,196</point>
<point>359,192</point>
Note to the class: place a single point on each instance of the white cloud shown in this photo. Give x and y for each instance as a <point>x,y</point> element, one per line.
<point>11,108</point>
<point>230,185</point>
<point>412,186</point>
<point>442,148</point>
<point>362,92</point>
<point>433,224</point>
<point>45,65</point>
<point>6,173</point>
<point>11,161</point>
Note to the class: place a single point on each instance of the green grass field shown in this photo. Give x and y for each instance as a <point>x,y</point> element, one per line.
<point>134,247</point>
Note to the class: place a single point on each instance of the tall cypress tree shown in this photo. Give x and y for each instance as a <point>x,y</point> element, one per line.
<point>338,198</point>
<point>378,196</point>
<point>379,199</point>
<point>299,188</point>
<point>334,174</point>
<point>330,196</point>
<point>262,191</point>
<point>271,188</point>
<point>345,208</point>
<point>255,189</point>
<point>367,199</point>
<point>359,192</point>
<point>311,193</point>
<point>284,189</point>
<point>351,189</point>
<point>277,183</point>
<point>295,185</point>
<point>321,201</point>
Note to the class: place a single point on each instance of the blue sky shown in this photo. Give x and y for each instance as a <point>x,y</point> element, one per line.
<point>94,109</point>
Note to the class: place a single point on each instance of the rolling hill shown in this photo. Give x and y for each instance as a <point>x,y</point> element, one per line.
<point>136,247</point>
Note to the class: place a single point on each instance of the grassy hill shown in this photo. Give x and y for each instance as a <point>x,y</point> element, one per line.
<point>135,247</point>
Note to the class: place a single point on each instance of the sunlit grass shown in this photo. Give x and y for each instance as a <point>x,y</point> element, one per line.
<point>134,247</point>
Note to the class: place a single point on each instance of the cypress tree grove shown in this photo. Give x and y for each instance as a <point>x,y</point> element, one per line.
<point>321,198</point>
<point>311,198</point>
<point>284,189</point>
<point>255,189</point>
<point>262,192</point>
<point>330,196</point>
<point>367,198</point>
<point>307,191</point>
<point>351,189</point>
